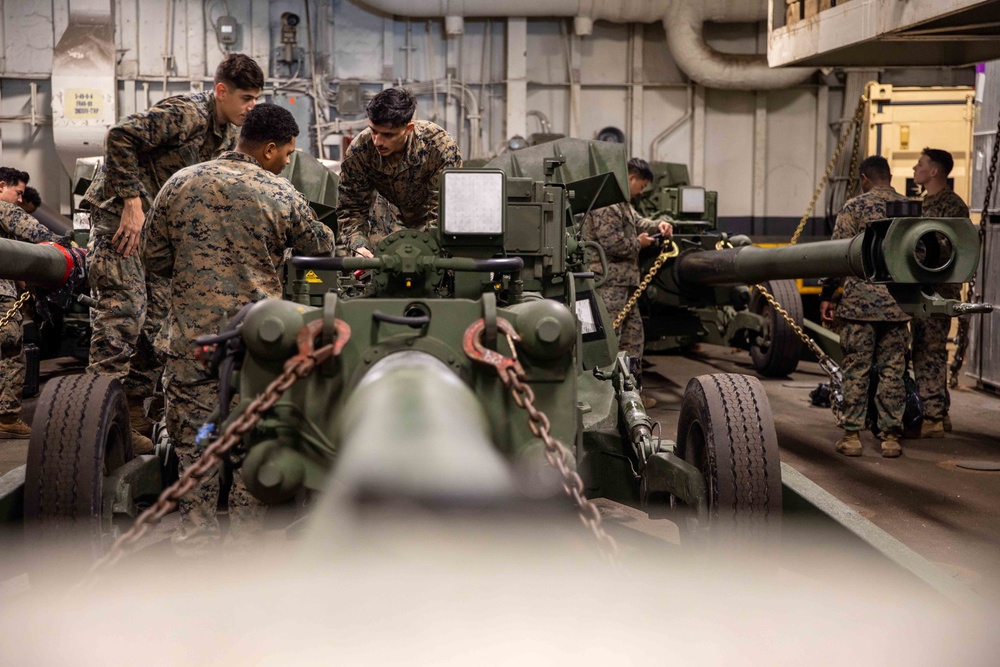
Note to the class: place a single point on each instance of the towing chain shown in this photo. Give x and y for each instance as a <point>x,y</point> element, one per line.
<point>855,127</point>
<point>557,454</point>
<point>825,361</point>
<point>9,315</point>
<point>295,369</point>
<point>962,337</point>
<point>670,251</point>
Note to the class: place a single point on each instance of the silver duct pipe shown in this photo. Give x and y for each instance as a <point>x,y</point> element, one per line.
<point>683,21</point>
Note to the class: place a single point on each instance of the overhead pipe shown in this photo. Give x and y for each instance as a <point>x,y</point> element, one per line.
<point>683,21</point>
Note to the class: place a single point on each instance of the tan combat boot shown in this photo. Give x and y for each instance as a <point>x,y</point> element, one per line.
<point>649,402</point>
<point>931,429</point>
<point>890,446</point>
<point>141,444</point>
<point>13,427</point>
<point>850,444</point>
<point>946,423</point>
<point>140,422</point>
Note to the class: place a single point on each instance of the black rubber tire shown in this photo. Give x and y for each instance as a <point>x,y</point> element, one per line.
<point>81,432</point>
<point>780,354</point>
<point>726,430</point>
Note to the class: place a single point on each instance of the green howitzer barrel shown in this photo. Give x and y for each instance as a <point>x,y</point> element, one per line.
<point>38,264</point>
<point>903,253</point>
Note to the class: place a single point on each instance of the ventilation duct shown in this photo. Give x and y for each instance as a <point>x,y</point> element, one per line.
<point>84,100</point>
<point>683,21</point>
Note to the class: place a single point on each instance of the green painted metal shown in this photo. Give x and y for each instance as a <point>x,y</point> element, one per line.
<point>316,182</point>
<point>41,265</point>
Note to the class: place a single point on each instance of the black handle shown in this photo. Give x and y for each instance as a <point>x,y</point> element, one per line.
<point>415,321</point>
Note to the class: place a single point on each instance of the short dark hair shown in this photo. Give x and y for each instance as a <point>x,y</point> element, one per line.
<point>393,107</point>
<point>266,123</point>
<point>239,70</point>
<point>876,169</point>
<point>31,196</point>
<point>12,176</point>
<point>639,167</point>
<point>941,158</point>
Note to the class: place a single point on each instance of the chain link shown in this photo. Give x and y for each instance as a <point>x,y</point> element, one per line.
<point>558,455</point>
<point>855,126</point>
<point>21,300</point>
<point>962,337</point>
<point>670,252</point>
<point>296,368</point>
<point>825,361</point>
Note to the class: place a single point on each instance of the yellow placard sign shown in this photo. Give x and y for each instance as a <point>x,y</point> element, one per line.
<point>311,277</point>
<point>83,103</point>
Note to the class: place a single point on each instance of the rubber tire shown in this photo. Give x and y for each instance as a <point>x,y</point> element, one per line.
<point>81,432</point>
<point>781,356</point>
<point>726,430</point>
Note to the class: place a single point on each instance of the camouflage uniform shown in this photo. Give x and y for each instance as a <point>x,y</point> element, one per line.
<point>141,153</point>
<point>410,185</point>
<point>18,225</point>
<point>930,336</point>
<point>616,229</point>
<point>874,328</point>
<point>218,231</point>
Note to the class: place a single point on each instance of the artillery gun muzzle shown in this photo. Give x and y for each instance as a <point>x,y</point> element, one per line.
<point>38,264</point>
<point>928,251</point>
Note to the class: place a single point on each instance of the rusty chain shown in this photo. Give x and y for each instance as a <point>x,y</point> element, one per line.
<point>855,127</point>
<point>670,252</point>
<point>557,454</point>
<point>962,337</point>
<point>296,368</point>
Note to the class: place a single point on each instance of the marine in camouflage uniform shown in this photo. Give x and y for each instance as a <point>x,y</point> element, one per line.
<point>216,264</point>
<point>616,228</point>
<point>930,335</point>
<point>18,225</point>
<point>874,333</point>
<point>409,182</point>
<point>141,153</point>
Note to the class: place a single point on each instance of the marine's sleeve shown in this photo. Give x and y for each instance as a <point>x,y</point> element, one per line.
<point>24,227</point>
<point>355,196</point>
<point>845,228</point>
<point>647,225</point>
<point>449,157</point>
<point>158,257</point>
<point>609,230</point>
<point>141,133</point>
<point>306,234</point>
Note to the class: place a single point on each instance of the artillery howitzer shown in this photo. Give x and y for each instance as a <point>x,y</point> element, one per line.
<point>412,395</point>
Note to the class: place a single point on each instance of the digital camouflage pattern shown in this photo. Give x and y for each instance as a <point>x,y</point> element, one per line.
<point>218,231</point>
<point>141,153</point>
<point>873,331</point>
<point>410,184</point>
<point>384,219</point>
<point>18,225</point>
<point>871,347</point>
<point>145,149</point>
<point>862,300</point>
<point>930,336</point>
<point>616,228</point>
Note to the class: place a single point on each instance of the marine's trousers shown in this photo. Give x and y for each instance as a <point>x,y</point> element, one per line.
<point>191,398</point>
<point>120,318</point>
<point>930,364</point>
<point>631,338</point>
<point>12,362</point>
<point>882,344</point>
